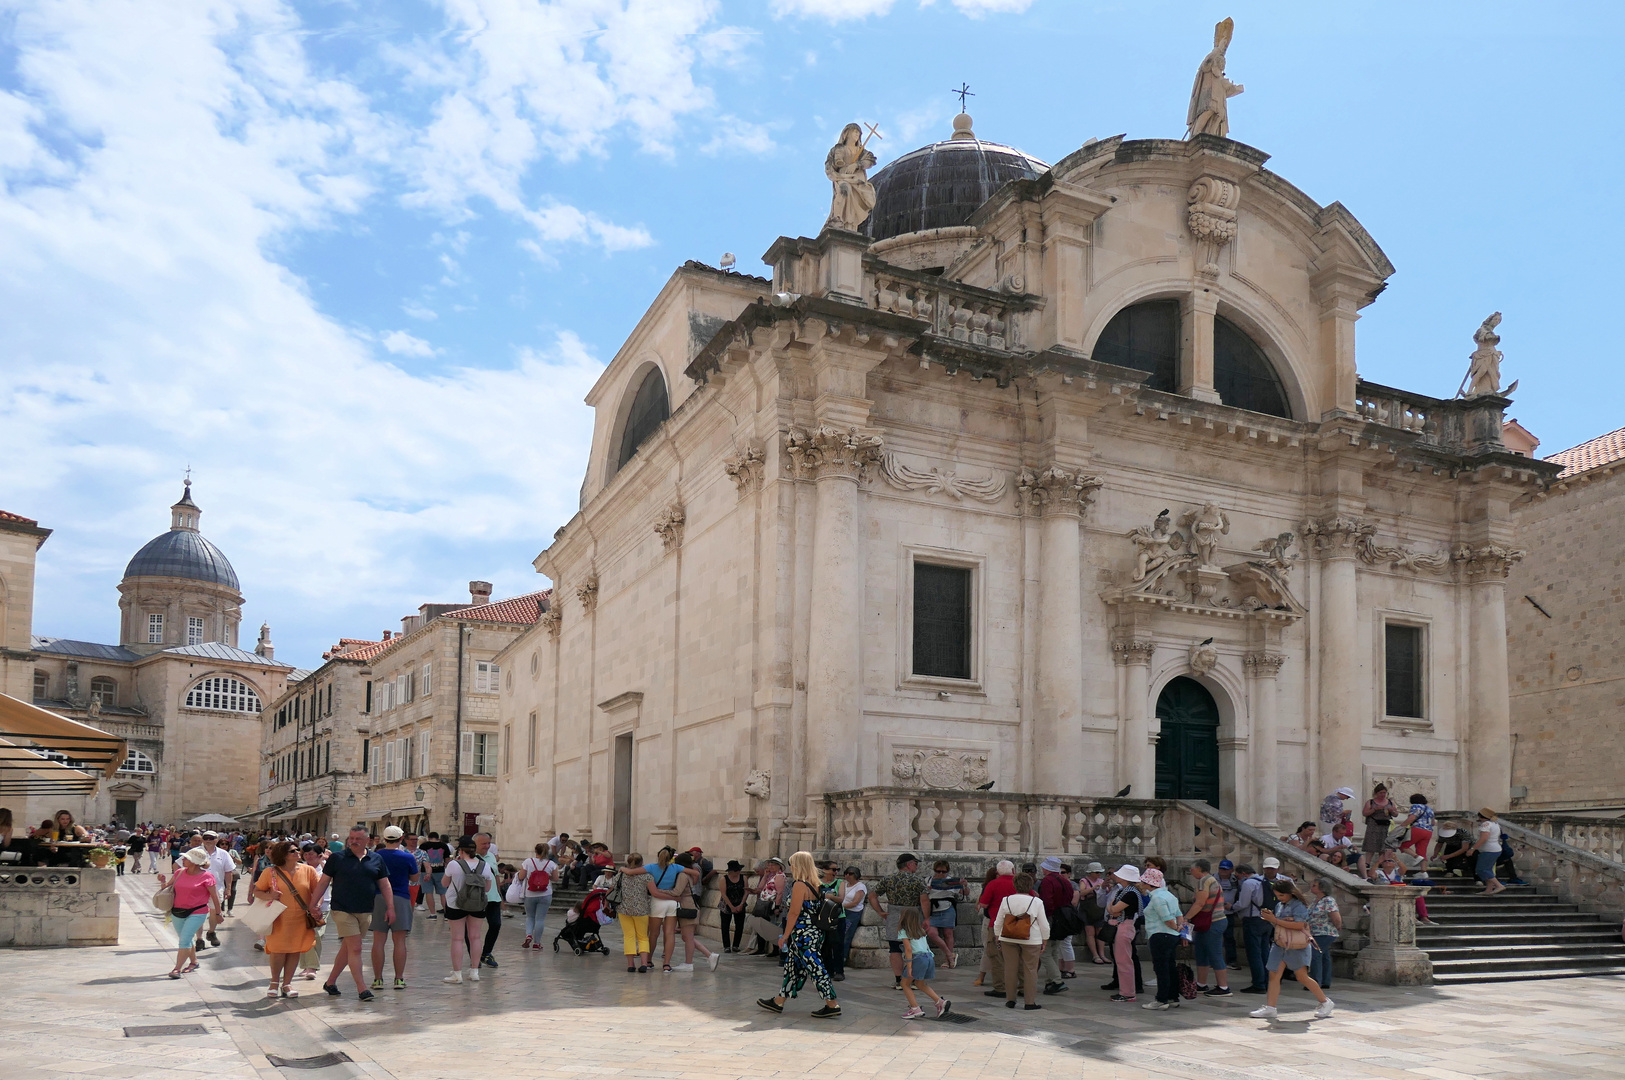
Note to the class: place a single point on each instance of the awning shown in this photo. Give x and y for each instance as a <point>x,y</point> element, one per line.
<point>24,772</point>
<point>95,751</point>
<point>409,811</point>
<point>298,812</point>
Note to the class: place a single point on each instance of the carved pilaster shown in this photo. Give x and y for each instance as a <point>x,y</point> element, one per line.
<point>831,451</point>
<point>1055,490</point>
<point>1487,561</point>
<point>745,469</point>
<point>1211,218</point>
<point>587,593</point>
<point>669,525</point>
<point>551,621</point>
<point>1263,665</point>
<point>1133,652</point>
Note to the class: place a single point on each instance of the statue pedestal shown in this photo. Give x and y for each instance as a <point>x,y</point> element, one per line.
<point>842,257</point>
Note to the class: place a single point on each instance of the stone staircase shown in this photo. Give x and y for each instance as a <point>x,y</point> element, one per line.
<point>1523,933</point>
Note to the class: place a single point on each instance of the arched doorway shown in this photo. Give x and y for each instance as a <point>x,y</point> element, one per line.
<point>1188,748</point>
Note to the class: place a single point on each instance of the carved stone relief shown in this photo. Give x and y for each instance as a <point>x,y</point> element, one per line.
<point>1204,657</point>
<point>945,481</point>
<point>1056,490</point>
<point>1174,567</point>
<point>832,451</point>
<point>1133,651</point>
<point>1211,218</point>
<point>551,620</point>
<point>587,593</point>
<point>1263,665</point>
<point>1401,786</point>
<point>1345,535</point>
<point>745,468</point>
<point>758,784</point>
<point>1487,560</point>
<point>669,525</point>
<point>942,770</point>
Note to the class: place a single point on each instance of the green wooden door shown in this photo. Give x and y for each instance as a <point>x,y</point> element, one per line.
<point>1188,749</point>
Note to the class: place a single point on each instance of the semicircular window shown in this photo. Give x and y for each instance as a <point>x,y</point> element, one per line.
<point>1243,375</point>
<point>650,409</point>
<point>1144,337</point>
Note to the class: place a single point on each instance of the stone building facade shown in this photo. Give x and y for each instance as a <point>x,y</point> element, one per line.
<point>175,685</point>
<point>1053,479</point>
<point>20,540</point>
<point>1565,620</point>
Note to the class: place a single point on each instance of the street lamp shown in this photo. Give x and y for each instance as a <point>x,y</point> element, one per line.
<point>351,800</point>
<point>418,794</point>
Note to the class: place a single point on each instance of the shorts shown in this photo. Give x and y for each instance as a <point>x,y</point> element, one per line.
<point>435,881</point>
<point>452,914</point>
<point>1208,945</point>
<point>1290,959</point>
<point>346,924</point>
<point>894,923</point>
<point>942,919</point>
<point>662,909</point>
<point>403,915</point>
<point>922,967</point>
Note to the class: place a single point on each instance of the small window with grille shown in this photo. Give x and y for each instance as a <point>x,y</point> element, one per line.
<point>1403,664</point>
<point>942,621</point>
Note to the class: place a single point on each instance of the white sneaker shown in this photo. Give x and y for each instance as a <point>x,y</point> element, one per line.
<point>716,958</point>
<point>455,977</point>
<point>1266,1012</point>
<point>474,974</point>
<point>682,967</point>
<point>1325,1009</point>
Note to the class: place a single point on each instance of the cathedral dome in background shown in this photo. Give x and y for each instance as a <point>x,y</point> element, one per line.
<point>182,552</point>
<point>943,184</point>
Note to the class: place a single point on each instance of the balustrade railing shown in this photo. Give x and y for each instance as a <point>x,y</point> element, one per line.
<point>1392,408</point>
<point>1602,837</point>
<point>959,313</point>
<point>1594,883</point>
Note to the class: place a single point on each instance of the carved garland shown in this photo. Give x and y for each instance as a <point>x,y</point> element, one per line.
<point>1338,535</point>
<point>1211,218</point>
<point>933,481</point>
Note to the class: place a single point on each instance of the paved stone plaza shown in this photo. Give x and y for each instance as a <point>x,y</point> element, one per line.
<point>547,1015</point>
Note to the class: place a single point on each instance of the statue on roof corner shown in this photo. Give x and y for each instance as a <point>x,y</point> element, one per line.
<point>1209,113</point>
<point>1484,373</point>
<point>847,167</point>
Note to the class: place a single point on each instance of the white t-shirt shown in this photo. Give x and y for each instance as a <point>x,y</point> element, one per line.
<point>221,864</point>
<point>533,863</point>
<point>1489,836</point>
<point>858,892</point>
<point>1335,841</point>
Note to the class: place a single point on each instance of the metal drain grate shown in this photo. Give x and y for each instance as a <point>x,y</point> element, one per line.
<point>957,1018</point>
<point>321,1062</point>
<point>165,1029</point>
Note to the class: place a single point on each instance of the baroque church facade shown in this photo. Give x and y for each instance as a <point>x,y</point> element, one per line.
<point>1039,478</point>
<point>175,686</point>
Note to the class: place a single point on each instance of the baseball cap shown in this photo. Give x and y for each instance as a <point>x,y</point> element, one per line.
<point>394,832</point>
<point>211,835</point>
<point>1272,863</point>
<point>696,850</point>
<point>1226,864</point>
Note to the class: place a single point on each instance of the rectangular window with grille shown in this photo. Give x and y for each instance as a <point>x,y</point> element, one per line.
<point>942,621</point>
<point>42,685</point>
<point>155,629</point>
<point>1403,668</point>
<point>194,630</point>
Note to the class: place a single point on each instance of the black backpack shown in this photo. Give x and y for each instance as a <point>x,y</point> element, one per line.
<point>828,915</point>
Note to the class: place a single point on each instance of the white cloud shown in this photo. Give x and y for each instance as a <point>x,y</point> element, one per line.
<point>402,343</point>
<point>415,310</point>
<point>977,8</point>
<point>730,134</point>
<point>841,10</point>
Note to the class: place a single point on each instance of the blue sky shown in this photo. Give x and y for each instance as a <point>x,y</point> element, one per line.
<point>357,261</point>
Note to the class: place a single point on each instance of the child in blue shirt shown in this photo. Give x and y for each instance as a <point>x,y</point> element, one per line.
<point>919,966</point>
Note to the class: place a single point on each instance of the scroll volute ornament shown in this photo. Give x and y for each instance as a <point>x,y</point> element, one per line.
<point>1211,217</point>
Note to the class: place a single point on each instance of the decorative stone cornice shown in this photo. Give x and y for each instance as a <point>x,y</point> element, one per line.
<point>669,525</point>
<point>1487,560</point>
<point>1342,536</point>
<point>830,451</point>
<point>1133,651</point>
<point>587,593</point>
<point>745,469</point>
<point>1054,490</point>
<point>1263,665</point>
<point>551,621</point>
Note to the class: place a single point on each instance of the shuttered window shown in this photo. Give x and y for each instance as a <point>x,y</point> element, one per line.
<point>942,613</point>
<point>1403,666</point>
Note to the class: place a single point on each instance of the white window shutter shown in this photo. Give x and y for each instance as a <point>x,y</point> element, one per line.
<point>492,747</point>
<point>423,750</point>
<point>496,678</point>
<point>465,755</point>
<point>377,765</point>
<point>389,761</point>
<point>406,757</point>
<point>428,673</point>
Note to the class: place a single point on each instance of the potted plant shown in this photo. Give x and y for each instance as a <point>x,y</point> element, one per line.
<point>99,856</point>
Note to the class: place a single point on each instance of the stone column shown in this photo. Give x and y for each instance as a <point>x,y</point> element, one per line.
<point>1339,653</point>
<point>1138,764</point>
<point>1058,495</point>
<point>1489,732</point>
<point>1262,668</point>
<point>837,460</point>
<point>1196,345</point>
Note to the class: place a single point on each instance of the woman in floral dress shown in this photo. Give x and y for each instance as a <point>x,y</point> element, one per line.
<point>802,942</point>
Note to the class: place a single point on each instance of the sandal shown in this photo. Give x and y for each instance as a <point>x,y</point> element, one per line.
<point>272,992</point>
<point>189,968</point>
<point>666,968</point>
<point>288,991</point>
<point>175,974</point>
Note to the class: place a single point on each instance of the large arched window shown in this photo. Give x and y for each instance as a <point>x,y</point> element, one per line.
<point>222,693</point>
<point>1144,337</point>
<point>1243,375</point>
<point>650,408</point>
<point>137,762</point>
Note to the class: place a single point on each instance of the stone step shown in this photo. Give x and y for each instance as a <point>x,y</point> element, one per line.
<point>1528,950</point>
<point>1430,938</point>
<point>1530,924</point>
<point>1556,972</point>
<point>1483,965</point>
<point>1522,908</point>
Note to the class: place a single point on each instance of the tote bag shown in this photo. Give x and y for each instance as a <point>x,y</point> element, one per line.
<point>259,917</point>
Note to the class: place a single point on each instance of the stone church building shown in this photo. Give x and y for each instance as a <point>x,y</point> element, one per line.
<point>1047,478</point>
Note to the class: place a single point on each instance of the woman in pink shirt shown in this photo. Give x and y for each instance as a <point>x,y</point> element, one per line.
<point>197,896</point>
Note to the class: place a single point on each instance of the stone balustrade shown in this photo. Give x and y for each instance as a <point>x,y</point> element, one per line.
<point>1594,883</point>
<point>1602,837</point>
<point>1392,408</point>
<point>955,312</point>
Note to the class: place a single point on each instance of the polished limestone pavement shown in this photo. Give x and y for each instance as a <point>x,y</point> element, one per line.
<point>561,1016</point>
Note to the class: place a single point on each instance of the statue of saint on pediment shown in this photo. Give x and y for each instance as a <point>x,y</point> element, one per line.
<point>1209,112</point>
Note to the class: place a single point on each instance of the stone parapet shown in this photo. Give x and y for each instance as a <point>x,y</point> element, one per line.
<point>53,905</point>
<point>1593,883</point>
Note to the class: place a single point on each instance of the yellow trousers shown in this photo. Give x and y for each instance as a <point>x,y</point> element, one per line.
<point>634,934</point>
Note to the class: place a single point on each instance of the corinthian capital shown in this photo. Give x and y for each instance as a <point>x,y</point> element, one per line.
<point>1338,535</point>
<point>1133,651</point>
<point>832,451</point>
<point>1055,490</point>
<point>1263,665</point>
<point>1487,560</point>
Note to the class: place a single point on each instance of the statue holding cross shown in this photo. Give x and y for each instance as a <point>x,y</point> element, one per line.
<point>847,167</point>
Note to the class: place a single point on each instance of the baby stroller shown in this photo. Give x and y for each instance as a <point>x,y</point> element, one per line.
<point>581,924</point>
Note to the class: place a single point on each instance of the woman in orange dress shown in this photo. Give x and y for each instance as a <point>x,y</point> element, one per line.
<point>288,881</point>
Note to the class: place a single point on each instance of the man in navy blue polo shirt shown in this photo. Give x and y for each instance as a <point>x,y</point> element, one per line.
<point>359,877</point>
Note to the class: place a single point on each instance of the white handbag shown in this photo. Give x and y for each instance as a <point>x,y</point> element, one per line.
<point>516,890</point>
<point>259,917</point>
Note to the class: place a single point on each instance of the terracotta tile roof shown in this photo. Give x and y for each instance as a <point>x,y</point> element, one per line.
<point>16,519</point>
<point>357,649</point>
<point>521,609</point>
<point>1603,450</point>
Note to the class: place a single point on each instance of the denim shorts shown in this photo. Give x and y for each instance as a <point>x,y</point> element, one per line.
<point>923,966</point>
<point>1208,945</point>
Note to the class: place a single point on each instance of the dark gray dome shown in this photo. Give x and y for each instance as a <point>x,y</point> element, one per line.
<point>182,553</point>
<point>943,184</point>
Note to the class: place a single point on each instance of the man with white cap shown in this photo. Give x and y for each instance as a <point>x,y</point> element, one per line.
<point>402,867</point>
<point>224,869</point>
<point>1332,810</point>
<point>1057,892</point>
<point>1255,932</point>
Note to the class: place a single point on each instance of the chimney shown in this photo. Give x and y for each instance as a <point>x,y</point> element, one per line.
<point>409,623</point>
<point>387,635</point>
<point>479,592</point>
